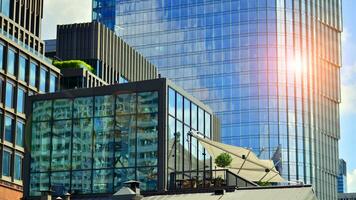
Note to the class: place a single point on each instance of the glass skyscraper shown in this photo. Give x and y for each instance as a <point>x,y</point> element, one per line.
<point>268,68</point>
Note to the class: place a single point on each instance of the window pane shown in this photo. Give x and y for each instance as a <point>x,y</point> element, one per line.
<point>171,144</point>
<point>40,147</point>
<point>172,101</point>
<point>32,78</point>
<point>20,100</point>
<point>1,89</point>
<point>42,110</point>
<point>52,83</point>
<point>8,128</point>
<point>18,167</point>
<point>179,107</point>
<point>22,68</point>
<point>123,175</point>
<point>20,132</point>
<point>187,112</point>
<point>201,120</point>
<point>61,147</point>
<point>9,95</point>
<point>207,125</point>
<point>43,77</point>
<point>194,116</point>
<point>5,7</point>
<point>83,107</point>
<point>147,102</point>
<point>147,139</point>
<point>6,163</point>
<point>38,182</point>
<point>11,62</point>
<point>1,56</point>
<point>82,144</point>
<point>81,182</point>
<point>125,141</point>
<point>104,105</point>
<point>103,181</point>
<point>126,104</point>
<point>60,182</point>
<point>148,177</point>
<point>62,109</point>
<point>103,152</point>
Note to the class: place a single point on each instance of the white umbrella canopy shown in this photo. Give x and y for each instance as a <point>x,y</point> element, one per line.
<point>244,162</point>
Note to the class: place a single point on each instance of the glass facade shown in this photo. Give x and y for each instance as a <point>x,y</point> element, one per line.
<point>94,144</point>
<point>269,68</point>
<point>185,155</point>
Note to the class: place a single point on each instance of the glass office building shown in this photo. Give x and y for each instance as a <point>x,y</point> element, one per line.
<point>91,141</point>
<point>342,177</point>
<point>269,68</point>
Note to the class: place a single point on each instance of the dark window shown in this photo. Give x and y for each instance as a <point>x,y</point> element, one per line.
<point>6,164</point>
<point>18,167</point>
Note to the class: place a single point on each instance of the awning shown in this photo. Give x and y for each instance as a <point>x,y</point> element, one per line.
<point>245,163</point>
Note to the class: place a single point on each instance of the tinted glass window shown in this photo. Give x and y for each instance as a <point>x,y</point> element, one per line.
<point>20,132</point>
<point>1,56</point>
<point>22,68</point>
<point>6,163</point>
<point>20,100</point>
<point>18,167</point>
<point>32,79</point>
<point>8,128</point>
<point>5,7</point>
<point>43,77</point>
<point>11,62</point>
<point>52,83</point>
<point>9,95</point>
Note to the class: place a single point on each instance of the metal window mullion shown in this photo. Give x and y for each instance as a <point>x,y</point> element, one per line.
<point>71,148</point>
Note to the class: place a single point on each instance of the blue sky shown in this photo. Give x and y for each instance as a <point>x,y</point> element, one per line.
<point>348,95</point>
<point>79,11</point>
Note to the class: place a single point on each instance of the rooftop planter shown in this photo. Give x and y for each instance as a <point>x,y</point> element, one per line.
<point>73,64</point>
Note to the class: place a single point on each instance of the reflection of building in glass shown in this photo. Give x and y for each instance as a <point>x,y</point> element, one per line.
<point>268,68</point>
<point>342,177</point>
<point>90,141</point>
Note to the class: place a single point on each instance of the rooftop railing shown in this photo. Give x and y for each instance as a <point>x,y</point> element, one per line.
<point>32,51</point>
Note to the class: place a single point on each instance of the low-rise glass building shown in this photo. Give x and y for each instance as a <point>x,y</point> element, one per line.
<point>90,141</point>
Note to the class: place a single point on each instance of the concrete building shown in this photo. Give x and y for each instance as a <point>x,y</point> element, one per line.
<point>91,141</point>
<point>270,69</point>
<point>342,177</point>
<point>24,71</point>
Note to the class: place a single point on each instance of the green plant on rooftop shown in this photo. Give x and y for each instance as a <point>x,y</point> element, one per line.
<point>70,64</point>
<point>223,160</point>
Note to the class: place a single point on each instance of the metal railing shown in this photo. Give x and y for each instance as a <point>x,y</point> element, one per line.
<point>207,179</point>
<point>32,51</point>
